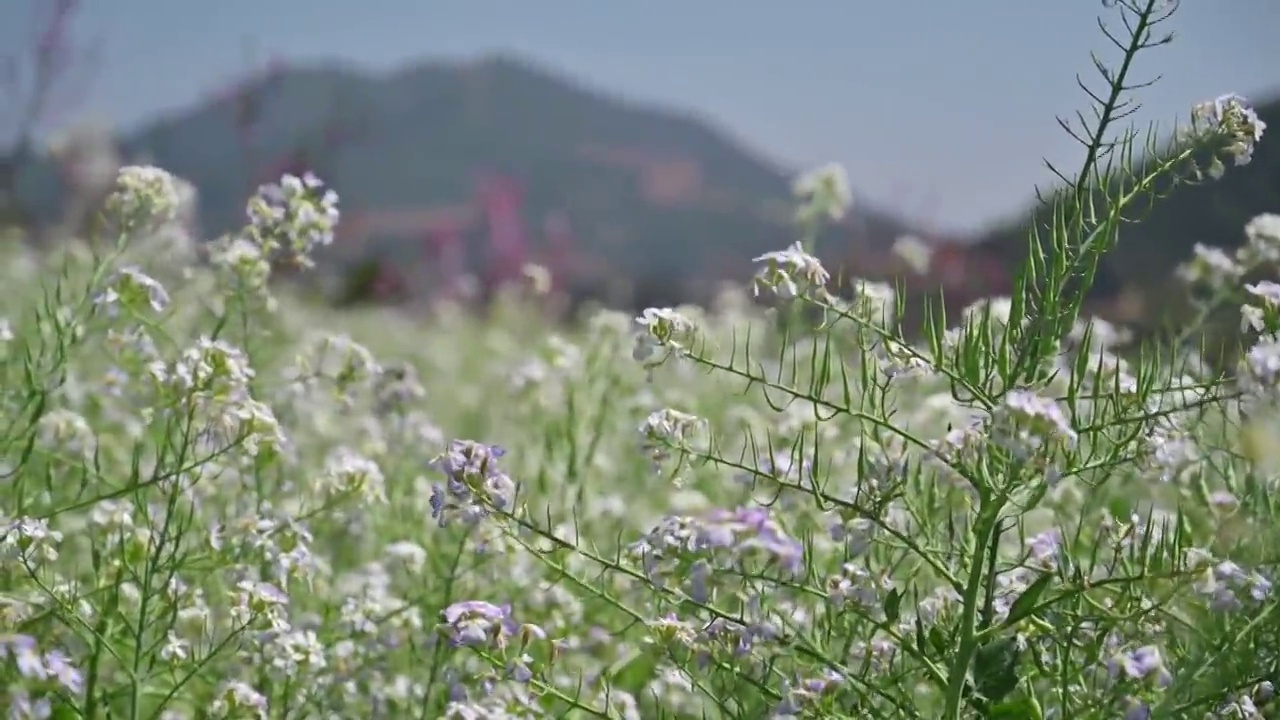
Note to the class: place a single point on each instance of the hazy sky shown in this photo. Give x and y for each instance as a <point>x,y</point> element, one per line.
<point>939,108</point>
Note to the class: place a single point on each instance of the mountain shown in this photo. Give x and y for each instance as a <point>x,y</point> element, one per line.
<point>663,197</point>
<point>1147,253</point>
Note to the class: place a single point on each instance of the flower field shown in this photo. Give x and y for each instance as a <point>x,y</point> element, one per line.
<point>221,500</point>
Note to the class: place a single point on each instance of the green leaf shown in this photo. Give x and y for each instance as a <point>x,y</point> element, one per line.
<point>64,711</point>
<point>893,605</point>
<point>1020,709</point>
<point>938,640</point>
<point>633,672</point>
<point>1027,602</point>
<point>995,669</point>
<point>920,637</point>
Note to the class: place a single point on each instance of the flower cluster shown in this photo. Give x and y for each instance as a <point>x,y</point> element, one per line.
<point>1027,424</point>
<point>667,430</point>
<point>695,551</point>
<point>132,289</point>
<point>476,623</point>
<point>474,485</point>
<point>42,676</point>
<point>1234,118</point>
<point>663,332</point>
<point>1229,587</point>
<point>143,194</point>
<point>824,192</point>
<point>294,217</point>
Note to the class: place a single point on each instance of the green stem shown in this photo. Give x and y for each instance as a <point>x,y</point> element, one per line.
<point>969,636</point>
<point>1045,310</point>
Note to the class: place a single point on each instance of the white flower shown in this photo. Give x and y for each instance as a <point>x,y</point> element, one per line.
<point>1210,266</point>
<point>1262,241</point>
<point>826,189</point>
<point>411,554</point>
<point>790,272</point>
<point>130,287</point>
<point>914,252</point>
<point>663,330</point>
<point>144,194</point>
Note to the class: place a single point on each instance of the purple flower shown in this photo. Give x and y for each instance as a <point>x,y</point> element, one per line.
<point>694,550</point>
<point>22,705</point>
<point>806,694</point>
<point>740,639</point>
<point>699,577</point>
<point>751,530</point>
<point>1227,582</point>
<point>476,623</point>
<point>518,670</point>
<point>1141,664</point>
<point>820,685</point>
<point>473,609</point>
<point>61,669</point>
<point>474,485</point>
<point>1042,549</point>
<point>24,652</point>
<point>467,458</point>
<point>27,659</point>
